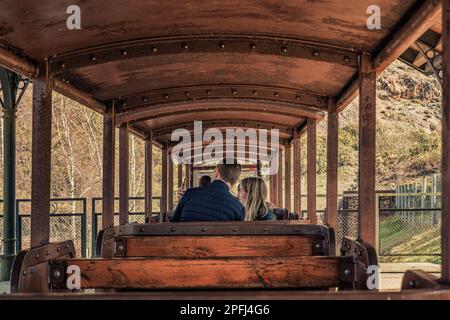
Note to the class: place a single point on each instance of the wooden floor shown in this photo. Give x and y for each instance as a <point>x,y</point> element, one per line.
<point>391,274</point>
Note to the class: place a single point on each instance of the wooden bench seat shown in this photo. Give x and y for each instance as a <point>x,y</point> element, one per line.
<point>209,256</point>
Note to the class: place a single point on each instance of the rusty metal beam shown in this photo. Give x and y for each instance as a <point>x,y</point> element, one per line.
<point>187,169</point>
<point>170,183</point>
<point>165,133</point>
<point>164,181</point>
<point>332,165</point>
<point>12,61</point>
<point>280,178</point>
<point>213,43</point>
<point>269,107</point>
<point>287,176</point>
<point>445,224</point>
<point>311,171</point>
<point>108,165</point>
<point>417,25</point>
<point>77,95</point>
<point>148,177</point>
<point>124,174</point>
<point>348,95</point>
<point>41,157</point>
<point>223,91</point>
<point>367,222</point>
<point>297,167</point>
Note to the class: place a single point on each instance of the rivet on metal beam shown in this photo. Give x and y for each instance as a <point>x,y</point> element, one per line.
<point>234,91</point>
<point>124,52</point>
<point>252,46</point>
<point>144,99</point>
<point>92,58</point>
<point>185,46</point>
<point>56,274</point>
<point>154,49</point>
<point>173,229</point>
<point>221,45</point>
<point>255,93</point>
<point>283,49</point>
<point>208,92</point>
<point>166,96</point>
<point>316,53</point>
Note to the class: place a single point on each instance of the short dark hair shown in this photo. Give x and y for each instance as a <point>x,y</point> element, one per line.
<point>204,181</point>
<point>229,170</point>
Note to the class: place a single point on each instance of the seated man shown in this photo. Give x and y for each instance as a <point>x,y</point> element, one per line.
<point>213,202</point>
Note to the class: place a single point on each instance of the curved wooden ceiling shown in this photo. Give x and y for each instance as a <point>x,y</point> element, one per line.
<point>166,63</point>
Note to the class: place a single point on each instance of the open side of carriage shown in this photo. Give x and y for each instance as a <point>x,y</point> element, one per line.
<point>152,67</point>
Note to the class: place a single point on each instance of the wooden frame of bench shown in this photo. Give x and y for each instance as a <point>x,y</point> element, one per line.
<point>225,272</point>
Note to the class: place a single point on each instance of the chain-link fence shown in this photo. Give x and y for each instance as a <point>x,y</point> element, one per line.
<point>68,221</point>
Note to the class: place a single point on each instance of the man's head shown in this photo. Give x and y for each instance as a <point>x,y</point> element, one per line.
<point>204,181</point>
<point>228,170</point>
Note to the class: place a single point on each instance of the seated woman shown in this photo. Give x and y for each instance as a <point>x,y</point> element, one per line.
<point>253,194</point>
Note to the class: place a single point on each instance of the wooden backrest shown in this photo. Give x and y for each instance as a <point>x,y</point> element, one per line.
<point>208,272</point>
<point>219,239</point>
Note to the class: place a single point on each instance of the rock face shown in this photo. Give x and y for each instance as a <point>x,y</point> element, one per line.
<point>408,130</point>
<point>402,82</point>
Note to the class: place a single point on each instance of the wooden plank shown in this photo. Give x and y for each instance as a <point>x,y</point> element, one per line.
<point>367,222</point>
<point>154,273</point>
<point>445,171</point>
<point>218,246</point>
<point>297,175</point>
<point>312,171</point>
<point>108,166</point>
<point>124,173</point>
<point>41,158</point>
<point>148,177</point>
<point>287,177</point>
<point>332,165</point>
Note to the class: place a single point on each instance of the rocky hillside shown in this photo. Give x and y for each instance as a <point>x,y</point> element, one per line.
<point>408,131</point>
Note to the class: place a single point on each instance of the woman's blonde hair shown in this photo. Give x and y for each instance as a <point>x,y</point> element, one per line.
<point>255,205</point>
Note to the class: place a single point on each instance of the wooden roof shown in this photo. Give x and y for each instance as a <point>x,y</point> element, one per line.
<point>167,63</point>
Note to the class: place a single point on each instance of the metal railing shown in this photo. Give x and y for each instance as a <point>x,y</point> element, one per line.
<point>68,220</point>
<point>136,214</point>
<point>403,232</point>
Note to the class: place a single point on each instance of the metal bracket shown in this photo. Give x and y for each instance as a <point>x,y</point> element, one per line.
<point>359,257</point>
<point>13,87</point>
<point>30,269</point>
<point>434,60</point>
<point>121,247</point>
